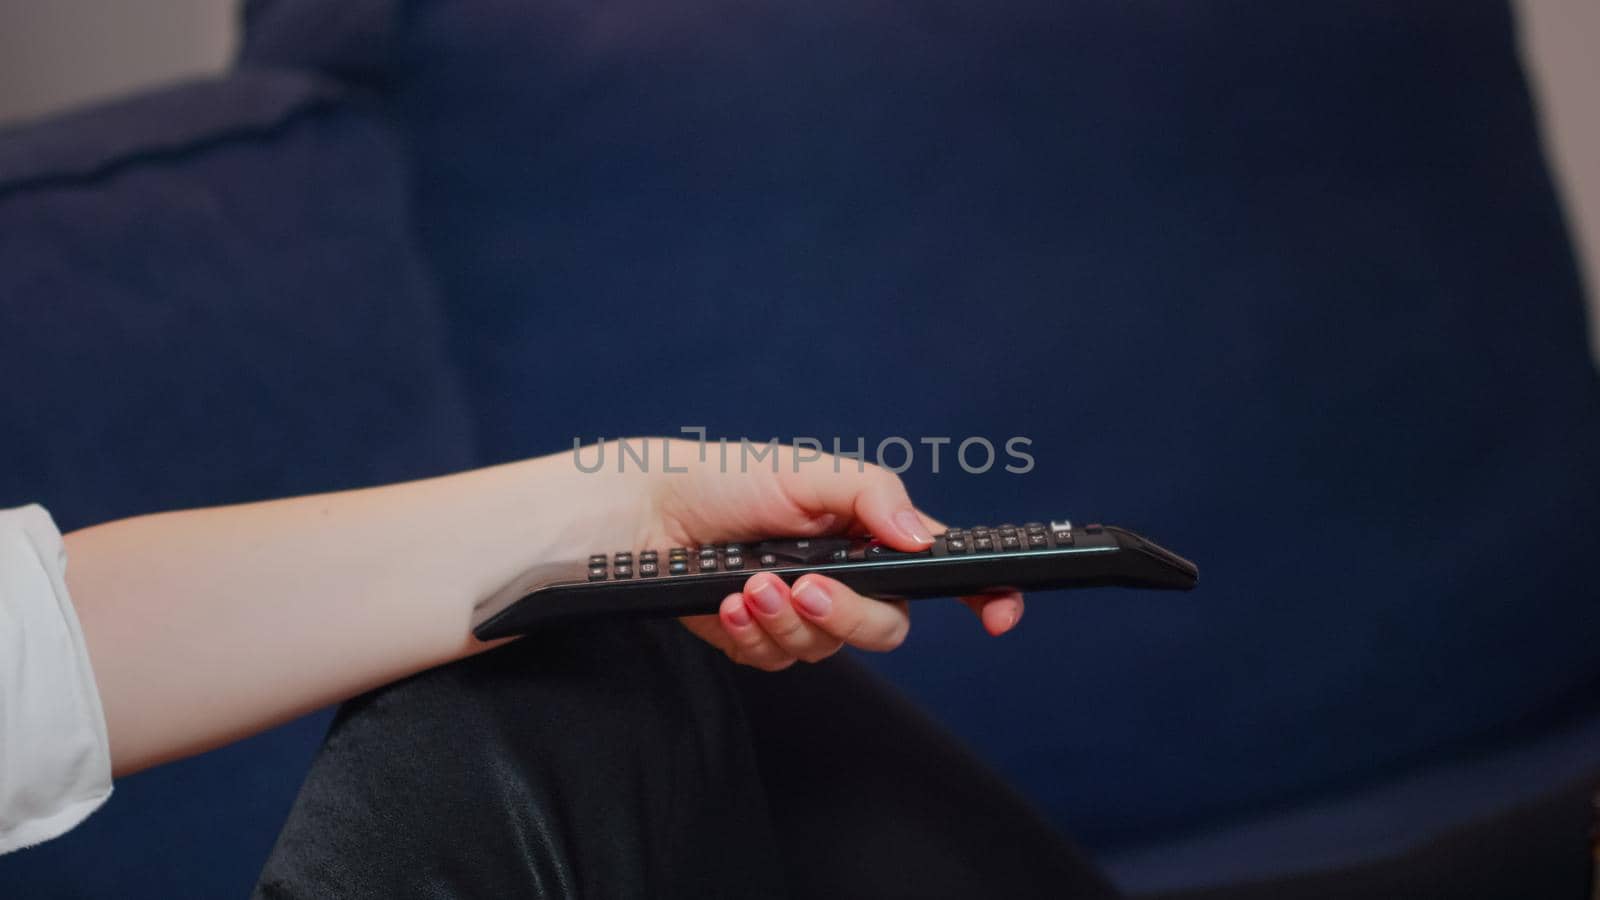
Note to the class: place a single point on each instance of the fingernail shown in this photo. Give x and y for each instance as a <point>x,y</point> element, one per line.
<point>1013,615</point>
<point>813,600</point>
<point>911,525</point>
<point>766,597</point>
<point>738,617</point>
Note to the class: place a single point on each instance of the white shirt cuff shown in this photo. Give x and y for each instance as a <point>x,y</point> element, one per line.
<point>55,764</point>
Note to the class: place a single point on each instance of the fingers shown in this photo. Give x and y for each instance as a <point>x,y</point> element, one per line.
<point>999,613</point>
<point>769,602</point>
<point>850,618</point>
<point>769,626</point>
<point>745,642</point>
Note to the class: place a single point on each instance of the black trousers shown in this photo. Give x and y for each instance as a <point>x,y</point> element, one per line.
<point>630,760</point>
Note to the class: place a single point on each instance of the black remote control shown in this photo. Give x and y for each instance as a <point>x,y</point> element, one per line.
<point>694,581</point>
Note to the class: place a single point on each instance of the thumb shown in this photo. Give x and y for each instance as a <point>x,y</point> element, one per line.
<point>873,497</point>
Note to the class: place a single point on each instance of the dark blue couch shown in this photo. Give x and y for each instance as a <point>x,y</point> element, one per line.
<point>1286,287</point>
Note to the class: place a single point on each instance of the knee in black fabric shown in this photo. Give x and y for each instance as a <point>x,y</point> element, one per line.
<point>593,761</point>
<point>888,804</point>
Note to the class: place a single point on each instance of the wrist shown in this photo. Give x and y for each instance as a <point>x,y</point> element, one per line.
<point>576,506</point>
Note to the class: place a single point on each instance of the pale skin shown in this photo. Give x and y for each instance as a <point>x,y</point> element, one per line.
<point>205,626</point>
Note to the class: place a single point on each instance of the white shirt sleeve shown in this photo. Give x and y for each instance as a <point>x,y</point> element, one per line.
<point>55,766</point>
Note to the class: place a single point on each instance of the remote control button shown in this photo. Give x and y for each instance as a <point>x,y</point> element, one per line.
<point>884,551</point>
<point>678,567</point>
<point>597,573</point>
<point>983,544</point>
<point>956,544</point>
<point>648,556</point>
<point>598,559</point>
<point>1062,525</point>
<point>733,550</point>
<point>841,554</point>
<point>623,570</point>
<point>623,559</point>
<point>804,550</point>
<point>767,559</point>
<point>708,563</point>
<point>1092,529</point>
<point>1064,539</point>
<point>1010,542</point>
<point>1034,526</point>
<point>649,568</point>
<point>733,561</point>
<point>678,553</point>
<point>1038,540</point>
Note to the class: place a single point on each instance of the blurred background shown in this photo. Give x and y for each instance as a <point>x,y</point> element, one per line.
<point>1297,290</point>
<point>57,55</point>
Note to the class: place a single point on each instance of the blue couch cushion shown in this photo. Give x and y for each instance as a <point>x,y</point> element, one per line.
<point>1284,285</point>
<point>209,295</point>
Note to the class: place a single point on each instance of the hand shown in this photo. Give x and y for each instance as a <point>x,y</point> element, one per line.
<point>770,624</point>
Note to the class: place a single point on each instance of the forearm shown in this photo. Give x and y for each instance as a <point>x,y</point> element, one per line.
<point>205,626</point>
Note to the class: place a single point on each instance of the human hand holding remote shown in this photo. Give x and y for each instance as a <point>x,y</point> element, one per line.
<point>770,625</point>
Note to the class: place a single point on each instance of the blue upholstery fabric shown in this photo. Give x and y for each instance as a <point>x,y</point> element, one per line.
<point>1284,285</point>
<point>209,295</point>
